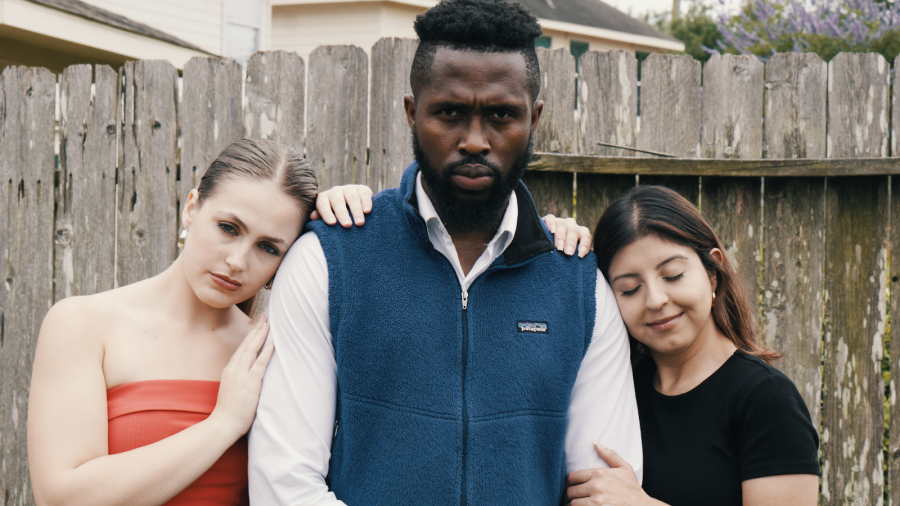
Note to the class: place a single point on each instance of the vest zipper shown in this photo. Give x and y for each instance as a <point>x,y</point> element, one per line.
<point>465,419</point>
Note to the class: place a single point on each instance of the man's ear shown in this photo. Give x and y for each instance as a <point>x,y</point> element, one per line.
<point>536,112</point>
<point>190,209</point>
<point>719,258</point>
<point>409,105</point>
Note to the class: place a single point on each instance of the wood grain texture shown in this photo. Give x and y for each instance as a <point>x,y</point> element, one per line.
<point>209,117</point>
<point>652,167</point>
<point>855,285</point>
<point>390,149</point>
<point>607,112</point>
<point>796,105</point>
<point>732,129</point>
<point>858,107</point>
<point>895,147</point>
<point>794,252</point>
<point>27,163</point>
<point>893,463</point>
<point>84,256</point>
<point>337,139</point>
<point>793,282</point>
<point>147,220</point>
<point>607,102</point>
<point>855,317</point>
<point>670,115</point>
<point>553,193</point>
<point>275,98</point>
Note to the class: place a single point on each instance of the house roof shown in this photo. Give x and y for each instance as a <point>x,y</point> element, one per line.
<point>93,13</point>
<point>592,13</point>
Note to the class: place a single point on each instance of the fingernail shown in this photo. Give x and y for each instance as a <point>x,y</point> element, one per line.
<point>582,251</point>
<point>345,222</point>
<point>570,249</point>
<point>599,445</point>
<point>559,245</point>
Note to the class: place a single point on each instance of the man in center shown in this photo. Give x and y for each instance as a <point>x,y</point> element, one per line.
<point>445,353</point>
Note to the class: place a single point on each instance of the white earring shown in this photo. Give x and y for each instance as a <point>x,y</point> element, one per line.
<point>181,239</point>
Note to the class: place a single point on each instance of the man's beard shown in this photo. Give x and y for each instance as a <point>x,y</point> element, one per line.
<point>470,215</point>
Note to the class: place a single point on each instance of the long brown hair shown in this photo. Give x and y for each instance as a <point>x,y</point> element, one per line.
<point>262,160</point>
<point>658,211</point>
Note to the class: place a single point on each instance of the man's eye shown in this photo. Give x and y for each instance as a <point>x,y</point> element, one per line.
<point>228,228</point>
<point>502,115</point>
<point>450,112</point>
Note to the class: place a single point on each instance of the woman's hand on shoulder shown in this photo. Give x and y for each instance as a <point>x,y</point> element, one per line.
<point>242,381</point>
<point>339,203</point>
<point>616,486</point>
<point>569,235</point>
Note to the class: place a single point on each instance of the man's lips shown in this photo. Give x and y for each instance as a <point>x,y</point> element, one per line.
<point>473,178</point>
<point>225,282</point>
<point>665,323</point>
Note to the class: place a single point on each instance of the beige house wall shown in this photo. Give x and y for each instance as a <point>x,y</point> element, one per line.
<point>196,21</point>
<point>560,39</point>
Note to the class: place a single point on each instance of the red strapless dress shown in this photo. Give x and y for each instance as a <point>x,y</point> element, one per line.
<point>145,412</point>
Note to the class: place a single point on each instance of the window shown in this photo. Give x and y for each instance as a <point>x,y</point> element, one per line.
<point>542,42</point>
<point>578,48</point>
<point>243,23</point>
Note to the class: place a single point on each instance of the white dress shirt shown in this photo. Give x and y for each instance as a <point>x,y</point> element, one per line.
<point>290,441</point>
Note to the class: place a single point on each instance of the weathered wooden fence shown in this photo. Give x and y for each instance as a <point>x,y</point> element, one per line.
<point>94,164</point>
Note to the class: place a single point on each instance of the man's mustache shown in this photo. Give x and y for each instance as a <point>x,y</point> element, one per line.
<point>473,160</point>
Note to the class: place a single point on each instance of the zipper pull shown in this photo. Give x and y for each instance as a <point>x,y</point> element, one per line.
<point>465,298</point>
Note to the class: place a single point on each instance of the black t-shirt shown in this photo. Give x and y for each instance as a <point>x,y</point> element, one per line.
<point>747,420</point>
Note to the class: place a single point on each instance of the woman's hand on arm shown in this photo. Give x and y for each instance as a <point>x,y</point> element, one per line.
<point>569,235</point>
<point>68,448</point>
<point>784,490</point>
<point>616,486</point>
<point>332,205</point>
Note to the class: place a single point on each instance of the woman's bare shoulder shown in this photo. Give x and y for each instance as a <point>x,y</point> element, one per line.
<point>88,315</point>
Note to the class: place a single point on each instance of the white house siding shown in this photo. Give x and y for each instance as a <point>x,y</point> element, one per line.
<point>196,21</point>
<point>302,28</point>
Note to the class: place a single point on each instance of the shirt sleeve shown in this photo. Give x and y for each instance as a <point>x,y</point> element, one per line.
<point>777,436</point>
<point>603,406</point>
<point>290,440</point>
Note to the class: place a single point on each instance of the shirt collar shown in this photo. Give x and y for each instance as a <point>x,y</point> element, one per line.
<point>505,233</point>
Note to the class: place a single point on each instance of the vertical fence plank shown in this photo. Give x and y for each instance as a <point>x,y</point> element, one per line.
<point>607,112</point>
<point>552,191</point>
<point>670,115</point>
<point>338,103</point>
<point>27,163</point>
<point>855,300</point>
<point>894,444</point>
<point>86,203</point>
<point>732,128</point>
<point>209,117</point>
<point>147,217</point>
<point>794,214</point>
<point>275,98</point>
<point>390,150</point>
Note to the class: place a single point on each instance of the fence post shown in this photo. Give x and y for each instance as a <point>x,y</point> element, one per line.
<point>732,128</point>
<point>552,191</point>
<point>86,203</point>
<point>27,162</point>
<point>209,118</point>
<point>275,98</point>
<point>147,216</point>
<point>855,287</point>
<point>670,115</point>
<point>894,444</point>
<point>607,112</point>
<point>794,217</point>
<point>338,104</point>
<point>389,145</point>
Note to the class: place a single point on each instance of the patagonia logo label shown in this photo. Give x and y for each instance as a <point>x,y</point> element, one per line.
<point>532,327</point>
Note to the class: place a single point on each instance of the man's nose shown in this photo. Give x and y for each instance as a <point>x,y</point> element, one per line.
<point>475,141</point>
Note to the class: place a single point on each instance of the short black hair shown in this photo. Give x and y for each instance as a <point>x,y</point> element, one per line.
<point>484,26</point>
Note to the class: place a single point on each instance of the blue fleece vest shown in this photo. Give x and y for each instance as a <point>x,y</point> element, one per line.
<point>440,404</point>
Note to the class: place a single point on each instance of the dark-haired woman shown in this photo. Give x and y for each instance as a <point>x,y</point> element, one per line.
<point>141,395</point>
<point>720,426</point>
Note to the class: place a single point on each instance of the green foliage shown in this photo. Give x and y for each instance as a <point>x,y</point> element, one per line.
<point>696,28</point>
